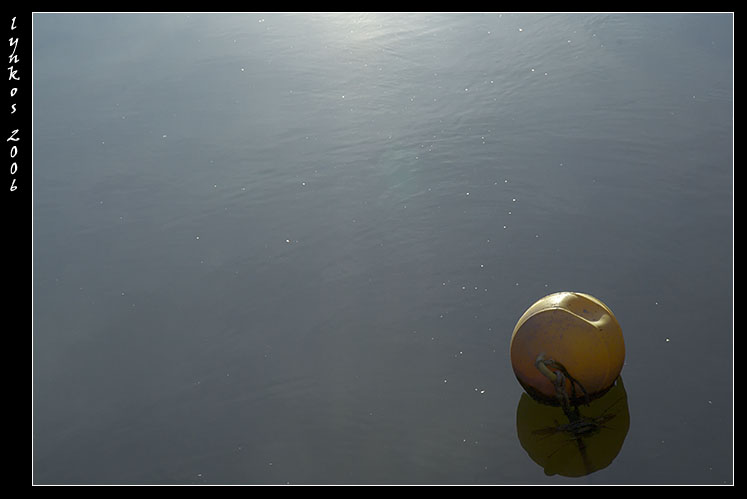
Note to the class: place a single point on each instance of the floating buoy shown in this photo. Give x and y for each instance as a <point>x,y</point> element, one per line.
<point>567,343</point>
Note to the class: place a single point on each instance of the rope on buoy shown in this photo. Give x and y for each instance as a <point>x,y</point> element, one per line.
<point>557,378</point>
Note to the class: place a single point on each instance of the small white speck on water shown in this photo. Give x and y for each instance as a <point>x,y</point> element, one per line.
<point>197,237</point>
<point>164,136</point>
<point>666,340</point>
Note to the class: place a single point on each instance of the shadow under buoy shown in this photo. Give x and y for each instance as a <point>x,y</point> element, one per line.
<point>578,445</point>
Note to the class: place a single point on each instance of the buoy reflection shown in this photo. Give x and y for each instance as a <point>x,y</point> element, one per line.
<point>574,448</point>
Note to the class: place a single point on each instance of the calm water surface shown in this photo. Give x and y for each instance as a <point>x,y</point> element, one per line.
<point>279,248</point>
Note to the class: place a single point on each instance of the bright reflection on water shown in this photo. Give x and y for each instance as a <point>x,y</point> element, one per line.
<point>277,248</point>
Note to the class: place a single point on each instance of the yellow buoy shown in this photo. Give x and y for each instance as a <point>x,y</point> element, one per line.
<point>571,336</point>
